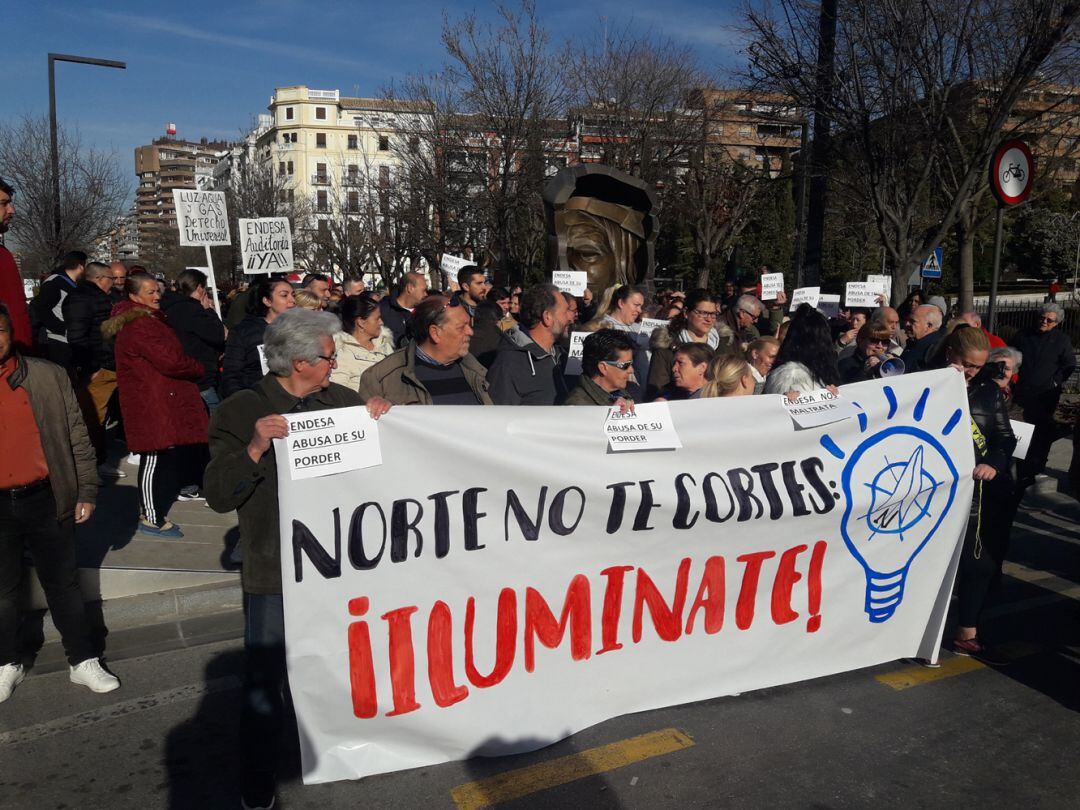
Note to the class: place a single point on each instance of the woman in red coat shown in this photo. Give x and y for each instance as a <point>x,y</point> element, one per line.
<point>159,398</point>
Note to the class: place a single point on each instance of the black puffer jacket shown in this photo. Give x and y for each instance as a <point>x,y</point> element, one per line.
<point>201,333</point>
<point>85,310</point>
<point>241,367</point>
<point>991,416</point>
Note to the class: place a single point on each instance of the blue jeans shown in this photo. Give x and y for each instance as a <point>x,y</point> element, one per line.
<point>265,682</point>
<point>212,400</point>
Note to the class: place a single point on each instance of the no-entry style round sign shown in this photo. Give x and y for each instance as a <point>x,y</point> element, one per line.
<point>1012,172</point>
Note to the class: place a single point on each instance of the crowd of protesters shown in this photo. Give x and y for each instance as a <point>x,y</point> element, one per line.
<point>199,398</point>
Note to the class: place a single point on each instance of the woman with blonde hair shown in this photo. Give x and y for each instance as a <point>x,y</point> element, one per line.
<point>729,375</point>
<point>306,299</point>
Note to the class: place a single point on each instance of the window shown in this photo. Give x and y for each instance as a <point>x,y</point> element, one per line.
<point>285,138</point>
<point>384,177</point>
<point>320,174</point>
<point>354,202</point>
<point>324,228</point>
<point>288,113</point>
<point>281,167</point>
<point>321,201</point>
<point>320,113</point>
<point>292,137</point>
<point>290,169</point>
<point>320,140</point>
<point>384,143</point>
<point>354,142</point>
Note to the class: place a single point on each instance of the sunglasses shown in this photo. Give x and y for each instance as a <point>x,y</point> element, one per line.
<point>621,366</point>
<point>1047,320</point>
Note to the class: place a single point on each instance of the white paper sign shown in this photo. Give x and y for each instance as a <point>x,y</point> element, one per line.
<point>817,408</point>
<point>772,284</point>
<point>573,357</point>
<point>828,305</point>
<point>504,594</point>
<point>201,217</point>
<point>570,281</point>
<point>883,282</point>
<point>805,295</point>
<point>861,294</point>
<point>266,245</point>
<point>451,264</point>
<point>650,325</point>
<point>648,427</point>
<point>262,358</point>
<point>1024,431</point>
<point>332,441</point>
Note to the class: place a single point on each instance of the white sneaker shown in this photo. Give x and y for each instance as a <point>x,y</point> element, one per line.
<point>93,676</point>
<point>133,458</point>
<point>11,675</point>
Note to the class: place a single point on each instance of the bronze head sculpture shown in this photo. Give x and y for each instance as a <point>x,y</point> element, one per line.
<point>601,221</point>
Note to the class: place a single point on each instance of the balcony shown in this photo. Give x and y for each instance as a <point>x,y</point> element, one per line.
<point>352,180</point>
<point>320,180</point>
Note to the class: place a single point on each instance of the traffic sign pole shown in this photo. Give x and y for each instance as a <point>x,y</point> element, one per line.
<point>992,309</point>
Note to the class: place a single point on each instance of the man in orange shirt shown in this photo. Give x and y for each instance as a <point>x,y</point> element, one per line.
<point>48,483</point>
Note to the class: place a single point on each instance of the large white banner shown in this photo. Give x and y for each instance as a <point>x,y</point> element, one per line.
<point>502,580</point>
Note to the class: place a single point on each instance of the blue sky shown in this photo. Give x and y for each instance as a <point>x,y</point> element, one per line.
<point>210,66</point>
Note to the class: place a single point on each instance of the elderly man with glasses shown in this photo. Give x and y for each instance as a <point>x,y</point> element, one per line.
<point>1049,360</point>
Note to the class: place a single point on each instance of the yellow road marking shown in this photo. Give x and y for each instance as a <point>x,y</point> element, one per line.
<point>917,676</point>
<point>521,782</point>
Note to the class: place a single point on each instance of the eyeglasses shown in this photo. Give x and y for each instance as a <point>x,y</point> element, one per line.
<point>621,366</point>
<point>878,341</point>
<point>705,313</point>
<point>1047,320</point>
<point>331,358</point>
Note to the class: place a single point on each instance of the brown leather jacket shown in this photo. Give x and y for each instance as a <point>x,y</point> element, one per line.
<point>64,440</point>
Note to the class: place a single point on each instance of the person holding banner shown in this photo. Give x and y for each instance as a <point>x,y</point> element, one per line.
<point>435,367</point>
<point>607,357</point>
<point>242,365</point>
<point>967,350</point>
<point>689,372</point>
<point>806,361</point>
<point>761,354</point>
<point>242,475</point>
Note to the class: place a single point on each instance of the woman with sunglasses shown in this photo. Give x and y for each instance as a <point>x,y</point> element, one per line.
<point>967,350</point>
<point>870,346</point>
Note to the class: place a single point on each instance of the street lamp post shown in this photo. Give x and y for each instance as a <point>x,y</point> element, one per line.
<point>54,147</point>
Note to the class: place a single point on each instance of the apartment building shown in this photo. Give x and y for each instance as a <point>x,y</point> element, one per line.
<point>166,164</point>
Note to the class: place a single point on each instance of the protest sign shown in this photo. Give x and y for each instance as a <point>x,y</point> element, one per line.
<point>861,294</point>
<point>332,441</point>
<point>817,408</point>
<point>496,596</point>
<point>570,281</point>
<point>573,356</point>
<point>262,358</point>
<point>650,325</point>
<point>772,284</point>
<point>884,283</point>
<point>829,305</point>
<point>451,264</point>
<point>804,295</point>
<point>201,217</point>
<point>266,245</point>
<point>1024,431</point>
<point>647,427</point>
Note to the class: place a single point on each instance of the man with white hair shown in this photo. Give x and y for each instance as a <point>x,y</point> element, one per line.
<point>743,316</point>
<point>242,475</point>
<point>1049,360</point>
<point>923,329</point>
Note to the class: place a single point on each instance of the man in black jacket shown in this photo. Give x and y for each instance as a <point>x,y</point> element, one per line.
<point>47,308</point>
<point>397,309</point>
<point>199,328</point>
<point>94,366</point>
<point>923,328</point>
<point>1049,360</point>
<point>528,370</point>
<point>243,476</point>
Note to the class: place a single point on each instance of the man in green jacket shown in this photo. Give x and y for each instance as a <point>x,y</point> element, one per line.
<point>607,358</point>
<point>48,483</point>
<point>242,475</point>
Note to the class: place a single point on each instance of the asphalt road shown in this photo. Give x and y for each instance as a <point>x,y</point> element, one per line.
<point>890,736</point>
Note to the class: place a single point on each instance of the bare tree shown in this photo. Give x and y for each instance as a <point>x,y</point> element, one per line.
<point>93,191</point>
<point>901,70</point>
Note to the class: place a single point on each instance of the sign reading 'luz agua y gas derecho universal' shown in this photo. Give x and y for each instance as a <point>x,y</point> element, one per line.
<point>497,596</point>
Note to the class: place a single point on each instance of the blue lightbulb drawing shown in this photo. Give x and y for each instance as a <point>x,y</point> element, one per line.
<point>898,484</point>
